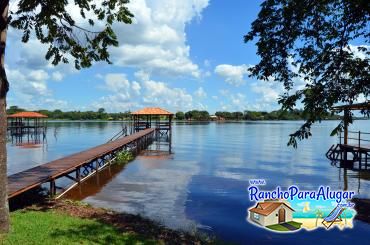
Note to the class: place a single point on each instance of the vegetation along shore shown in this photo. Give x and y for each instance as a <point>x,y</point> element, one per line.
<point>195,115</point>
<point>71,222</point>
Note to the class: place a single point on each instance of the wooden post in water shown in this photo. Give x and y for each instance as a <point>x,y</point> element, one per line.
<point>52,188</point>
<point>346,122</point>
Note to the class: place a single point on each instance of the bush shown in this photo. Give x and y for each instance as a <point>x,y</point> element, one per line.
<point>123,157</point>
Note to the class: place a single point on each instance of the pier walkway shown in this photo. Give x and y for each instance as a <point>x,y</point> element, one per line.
<point>77,166</point>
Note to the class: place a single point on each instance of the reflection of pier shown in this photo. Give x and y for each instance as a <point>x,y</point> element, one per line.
<point>353,147</point>
<point>28,140</point>
<point>77,167</point>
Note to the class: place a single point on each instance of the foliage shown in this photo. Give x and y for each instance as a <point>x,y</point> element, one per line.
<point>124,157</point>
<point>254,115</point>
<point>197,115</point>
<point>51,23</point>
<point>309,42</point>
<point>180,115</point>
<point>68,39</point>
<point>190,115</point>
<point>77,115</point>
<point>319,214</point>
<point>32,227</point>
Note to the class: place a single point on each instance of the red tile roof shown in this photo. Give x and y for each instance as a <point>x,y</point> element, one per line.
<point>266,208</point>
<point>152,111</point>
<point>27,114</point>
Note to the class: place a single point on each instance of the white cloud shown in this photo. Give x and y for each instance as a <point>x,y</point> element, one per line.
<point>28,89</point>
<point>121,93</point>
<point>117,82</point>
<point>268,91</point>
<point>239,101</point>
<point>136,87</point>
<point>124,93</point>
<point>156,41</point>
<point>200,93</point>
<point>57,76</point>
<point>160,94</point>
<point>233,75</point>
<point>38,75</point>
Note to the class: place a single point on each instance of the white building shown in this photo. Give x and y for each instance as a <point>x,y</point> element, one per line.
<point>271,212</point>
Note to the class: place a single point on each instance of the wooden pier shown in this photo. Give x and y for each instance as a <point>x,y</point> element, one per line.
<point>78,166</point>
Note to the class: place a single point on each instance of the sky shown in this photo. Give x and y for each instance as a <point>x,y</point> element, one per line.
<point>177,54</point>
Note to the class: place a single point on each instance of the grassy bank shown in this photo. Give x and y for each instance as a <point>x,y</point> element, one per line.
<point>50,227</point>
<point>68,222</point>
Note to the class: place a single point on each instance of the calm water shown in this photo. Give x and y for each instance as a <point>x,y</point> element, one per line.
<point>203,182</point>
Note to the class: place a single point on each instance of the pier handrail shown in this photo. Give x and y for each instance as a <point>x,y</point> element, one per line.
<point>122,132</point>
<point>358,138</point>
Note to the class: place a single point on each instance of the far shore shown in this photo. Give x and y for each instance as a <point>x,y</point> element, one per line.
<point>190,121</point>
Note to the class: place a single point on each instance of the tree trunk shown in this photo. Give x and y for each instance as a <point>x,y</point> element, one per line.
<point>4,86</point>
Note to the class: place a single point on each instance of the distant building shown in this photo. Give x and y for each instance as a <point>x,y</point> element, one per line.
<point>216,118</point>
<point>271,212</point>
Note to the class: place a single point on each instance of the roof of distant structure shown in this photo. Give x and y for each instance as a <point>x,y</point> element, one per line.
<point>358,106</point>
<point>27,114</point>
<point>152,111</point>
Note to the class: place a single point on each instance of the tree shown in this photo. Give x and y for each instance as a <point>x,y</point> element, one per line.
<point>180,115</point>
<point>188,115</point>
<point>51,24</point>
<point>310,42</point>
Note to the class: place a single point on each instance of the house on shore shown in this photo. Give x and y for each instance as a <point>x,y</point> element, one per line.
<point>271,212</point>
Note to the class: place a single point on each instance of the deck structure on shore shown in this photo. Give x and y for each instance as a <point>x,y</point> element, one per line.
<point>78,166</point>
<point>354,146</point>
<point>26,122</point>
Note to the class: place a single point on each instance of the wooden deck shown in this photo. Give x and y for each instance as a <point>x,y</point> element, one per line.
<point>356,147</point>
<point>36,176</point>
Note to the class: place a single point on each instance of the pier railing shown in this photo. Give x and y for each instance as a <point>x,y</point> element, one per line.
<point>358,137</point>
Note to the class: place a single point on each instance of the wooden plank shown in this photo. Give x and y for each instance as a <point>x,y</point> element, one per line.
<point>33,177</point>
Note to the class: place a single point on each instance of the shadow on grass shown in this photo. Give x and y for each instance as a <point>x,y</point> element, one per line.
<point>96,234</point>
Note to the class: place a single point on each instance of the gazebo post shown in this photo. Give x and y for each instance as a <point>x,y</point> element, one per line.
<point>346,122</point>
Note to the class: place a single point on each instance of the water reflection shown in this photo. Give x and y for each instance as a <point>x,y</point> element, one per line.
<point>202,179</point>
<point>28,139</point>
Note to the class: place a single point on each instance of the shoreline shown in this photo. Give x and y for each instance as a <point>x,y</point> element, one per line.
<point>125,223</point>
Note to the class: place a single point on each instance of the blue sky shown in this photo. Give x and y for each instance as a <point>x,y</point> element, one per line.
<point>177,54</point>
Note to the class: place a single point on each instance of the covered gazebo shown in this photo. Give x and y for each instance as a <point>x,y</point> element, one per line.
<point>152,117</point>
<point>26,121</point>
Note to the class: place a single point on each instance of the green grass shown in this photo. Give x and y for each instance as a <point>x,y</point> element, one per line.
<point>277,227</point>
<point>34,227</point>
<point>295,224</point>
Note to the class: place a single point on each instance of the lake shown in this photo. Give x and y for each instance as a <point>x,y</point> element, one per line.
<point>203,182</point>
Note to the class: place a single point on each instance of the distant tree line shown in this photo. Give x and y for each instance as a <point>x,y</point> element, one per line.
<point>194,115</point>
<point>247,115</point>
<point>100,114</point>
